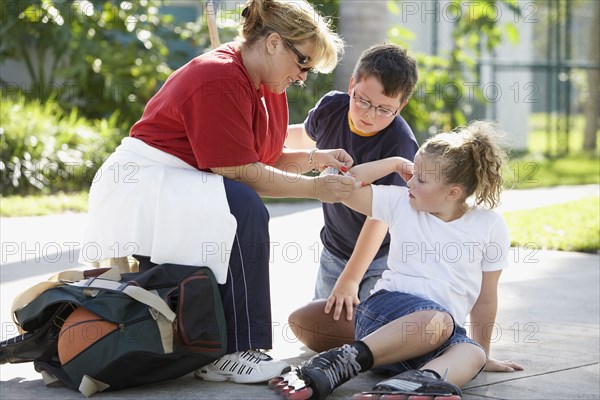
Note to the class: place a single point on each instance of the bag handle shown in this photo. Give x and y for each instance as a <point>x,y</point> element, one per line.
<point>135,292</point>
<point>54,281</point>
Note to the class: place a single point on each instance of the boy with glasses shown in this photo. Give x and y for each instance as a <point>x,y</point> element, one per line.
<point>366,123</point>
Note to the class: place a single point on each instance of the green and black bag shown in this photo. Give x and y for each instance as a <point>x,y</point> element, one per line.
<point>170,322</point>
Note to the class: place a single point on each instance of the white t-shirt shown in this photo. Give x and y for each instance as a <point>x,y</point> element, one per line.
<point>438,260</point>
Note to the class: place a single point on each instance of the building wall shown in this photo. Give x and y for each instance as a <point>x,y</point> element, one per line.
<point>363,24</point>
<point>505,91</point>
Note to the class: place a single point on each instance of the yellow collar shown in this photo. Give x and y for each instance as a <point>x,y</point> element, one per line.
<point>355,129</point>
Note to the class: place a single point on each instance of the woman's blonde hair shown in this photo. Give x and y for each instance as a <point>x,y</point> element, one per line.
<point>472,158</point>
<point>296,21</point>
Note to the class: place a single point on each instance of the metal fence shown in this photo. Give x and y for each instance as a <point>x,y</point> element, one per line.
<point>563,62</point>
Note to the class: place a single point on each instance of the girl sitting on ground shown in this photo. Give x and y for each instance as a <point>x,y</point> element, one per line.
<point>445,259</point>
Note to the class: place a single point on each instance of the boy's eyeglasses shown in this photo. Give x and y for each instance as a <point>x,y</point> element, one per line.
<point>302,59</point>
<point>379,111</point>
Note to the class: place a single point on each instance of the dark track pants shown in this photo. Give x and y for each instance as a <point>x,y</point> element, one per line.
<point>246,293</point>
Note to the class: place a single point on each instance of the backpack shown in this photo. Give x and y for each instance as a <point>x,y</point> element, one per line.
<point>166,322</point>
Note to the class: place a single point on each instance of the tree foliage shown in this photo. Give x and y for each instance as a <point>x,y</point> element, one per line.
<point>302,99</point>
<point>100,56</point>
<point>446,94</point>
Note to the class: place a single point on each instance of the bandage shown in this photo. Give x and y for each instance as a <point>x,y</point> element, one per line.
<point>335,171</point>
<point>436,327</point>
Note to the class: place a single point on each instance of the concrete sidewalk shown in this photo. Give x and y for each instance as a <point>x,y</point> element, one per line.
<point>548,319</point>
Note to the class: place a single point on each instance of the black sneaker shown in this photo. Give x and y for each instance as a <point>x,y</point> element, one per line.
<point>321,374</point>
<point>417,382</point>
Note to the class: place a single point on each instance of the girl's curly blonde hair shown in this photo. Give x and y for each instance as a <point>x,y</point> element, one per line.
<point>472,158</point>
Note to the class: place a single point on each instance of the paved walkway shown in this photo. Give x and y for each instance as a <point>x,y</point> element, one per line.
<point>548,319</point>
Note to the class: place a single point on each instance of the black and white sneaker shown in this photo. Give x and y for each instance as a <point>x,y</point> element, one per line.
<point>417,382</point>
<point>250,366</point>
<point>317,377</point>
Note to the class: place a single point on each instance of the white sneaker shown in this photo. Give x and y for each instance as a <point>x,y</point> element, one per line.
<point>250,366</point>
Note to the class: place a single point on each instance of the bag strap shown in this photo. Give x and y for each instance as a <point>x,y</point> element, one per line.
<point>135,292</point>
<point>89,386</point>
<point>164,327</point>
<point>54,281</point>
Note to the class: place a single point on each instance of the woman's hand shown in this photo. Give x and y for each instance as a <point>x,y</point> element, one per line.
<point>333,188</point>
<point>336,158</point>
<point>501,366</point>
<point>344,293</point>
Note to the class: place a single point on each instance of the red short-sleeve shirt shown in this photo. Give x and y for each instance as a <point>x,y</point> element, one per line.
<point>209,114</point>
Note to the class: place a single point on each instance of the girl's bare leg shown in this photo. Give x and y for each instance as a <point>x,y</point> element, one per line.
<point>410,336</point>
<point>463,361</point>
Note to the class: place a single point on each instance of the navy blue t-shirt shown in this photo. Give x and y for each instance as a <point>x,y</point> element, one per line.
<point>327,124</point>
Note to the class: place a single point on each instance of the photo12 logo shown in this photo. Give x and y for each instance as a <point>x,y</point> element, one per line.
<point>451,12</point>
<point>491,92</point>
<point>71,252</point>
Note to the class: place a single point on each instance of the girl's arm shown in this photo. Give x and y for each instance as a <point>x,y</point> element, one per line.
<point>345,291</point>
<point>483,317</point>
<point>361,200</point>
<point>371,171</point>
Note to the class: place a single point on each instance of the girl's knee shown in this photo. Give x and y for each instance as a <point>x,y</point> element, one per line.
<point>441,327</point>
<point>436,326</point>
<point>475,357</point>
<point>479,358</point>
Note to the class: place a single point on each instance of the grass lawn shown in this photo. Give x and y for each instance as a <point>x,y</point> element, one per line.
<point>530,171</point>
<point>539,141</point>
<point>537,169</point>
<point>572,226</point>
<point>19,206</point>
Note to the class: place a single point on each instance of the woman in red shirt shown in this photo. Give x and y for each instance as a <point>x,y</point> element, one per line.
<point>212,138</point>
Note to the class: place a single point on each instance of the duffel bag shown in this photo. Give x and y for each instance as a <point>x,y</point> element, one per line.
<point>100,330</point>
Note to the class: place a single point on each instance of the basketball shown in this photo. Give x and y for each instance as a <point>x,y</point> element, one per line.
<point>81,329</point>
<point>319,331</point>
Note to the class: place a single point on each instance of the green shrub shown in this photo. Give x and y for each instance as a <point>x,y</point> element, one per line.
<point>45,149</point>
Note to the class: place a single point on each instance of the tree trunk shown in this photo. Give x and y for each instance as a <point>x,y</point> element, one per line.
<point>363,23</point>
<point>592,107</point>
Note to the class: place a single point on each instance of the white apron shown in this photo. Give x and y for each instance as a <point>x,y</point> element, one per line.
<point>145,201</point>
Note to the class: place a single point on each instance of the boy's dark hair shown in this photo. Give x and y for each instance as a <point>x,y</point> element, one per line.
<point>392,65</point>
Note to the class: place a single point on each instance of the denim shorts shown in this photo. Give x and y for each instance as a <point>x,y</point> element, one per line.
<point>383,307</point>
<point>332,266</point>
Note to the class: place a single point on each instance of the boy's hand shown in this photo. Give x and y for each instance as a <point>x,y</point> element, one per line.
<point>501,366</point>
<point>344,293</point>
<point>406,169</point>
<point>337,158</point>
